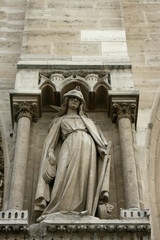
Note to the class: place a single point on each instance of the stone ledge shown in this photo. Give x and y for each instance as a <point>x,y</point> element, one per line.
<point>13,217</point>
<point>69,223</point>
<point>13,221</point>
<point>134,213</point>
<point>72,226</point>
<point>56,65</point>
<point>110,227</point>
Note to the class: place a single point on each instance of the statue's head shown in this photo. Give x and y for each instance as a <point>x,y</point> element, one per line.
<point>76,92</point>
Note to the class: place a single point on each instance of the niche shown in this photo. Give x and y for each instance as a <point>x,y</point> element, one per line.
<point>101,96</point>
<point>48,97</point>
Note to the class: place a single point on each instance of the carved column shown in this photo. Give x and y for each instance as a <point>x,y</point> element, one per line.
<point>124,111</point>
<point>24,112</point>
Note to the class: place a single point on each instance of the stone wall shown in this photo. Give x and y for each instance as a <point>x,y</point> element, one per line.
<point>12,15</point>
<point>74,32</point>
<point>141,20</point>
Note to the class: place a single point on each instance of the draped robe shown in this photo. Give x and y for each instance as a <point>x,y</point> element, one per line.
<point>74,178</point>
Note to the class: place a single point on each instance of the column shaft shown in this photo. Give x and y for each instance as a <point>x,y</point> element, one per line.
<point>128,159</point>
<point>19,164</point>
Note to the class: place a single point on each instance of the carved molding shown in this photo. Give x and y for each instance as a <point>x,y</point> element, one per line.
<point>25,104</point>
<point>15,221</point>
<point>89,80</point>
<point>114,228</point>
<point>123,105</point>
<point>14,229</point>
<point>125,228</point>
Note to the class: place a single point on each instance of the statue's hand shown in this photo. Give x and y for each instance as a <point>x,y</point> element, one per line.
<point>102,152</point>
<point>51,158</point>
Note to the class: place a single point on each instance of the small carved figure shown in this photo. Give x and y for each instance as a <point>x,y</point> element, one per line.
<point>72,159</point>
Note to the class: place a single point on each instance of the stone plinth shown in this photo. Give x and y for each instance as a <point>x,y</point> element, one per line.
<point>67,226</point>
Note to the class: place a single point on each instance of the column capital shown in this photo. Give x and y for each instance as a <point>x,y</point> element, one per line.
<point>25,104</point>
<point>123,105</point>
<point>123,110</point>
<point>25,109</point>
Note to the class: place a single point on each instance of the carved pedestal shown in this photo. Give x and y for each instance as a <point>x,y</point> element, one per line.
<point>133,224</point>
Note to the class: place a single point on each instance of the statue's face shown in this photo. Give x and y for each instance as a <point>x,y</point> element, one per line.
<point>73,103</point>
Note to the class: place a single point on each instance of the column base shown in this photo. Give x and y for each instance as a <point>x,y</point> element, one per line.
<point>134,213</point>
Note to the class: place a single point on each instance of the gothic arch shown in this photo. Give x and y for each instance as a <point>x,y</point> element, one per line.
<point>78,81</point>
<point>153,146</point>
<point>48,95</point>
<point>101,95</point>
<point>106,85</point>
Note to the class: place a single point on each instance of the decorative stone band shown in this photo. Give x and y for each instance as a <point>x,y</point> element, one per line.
<point>13,221</point>
<point>13,217</point>
<point>123,105</point>
<point>25,109</point>
<point>134,213</point>
<point>89,80</point>
<point>78,228</point>
<point>107,228</point>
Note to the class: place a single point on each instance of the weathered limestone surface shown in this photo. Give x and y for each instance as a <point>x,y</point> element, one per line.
<point>141,20</point>
<point>81,32</point>
<point>76,31</point>
<point>12,15</point>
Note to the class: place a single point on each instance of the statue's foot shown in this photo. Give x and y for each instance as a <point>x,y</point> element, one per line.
<point>105,197</point>
<point>40,219</point>
<point>83,213</point>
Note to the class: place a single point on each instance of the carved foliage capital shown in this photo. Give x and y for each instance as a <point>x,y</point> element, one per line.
<point>25,109</point>
<point>124,110</point>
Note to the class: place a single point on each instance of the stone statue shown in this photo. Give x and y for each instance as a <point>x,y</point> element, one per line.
<point>72,158</point>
